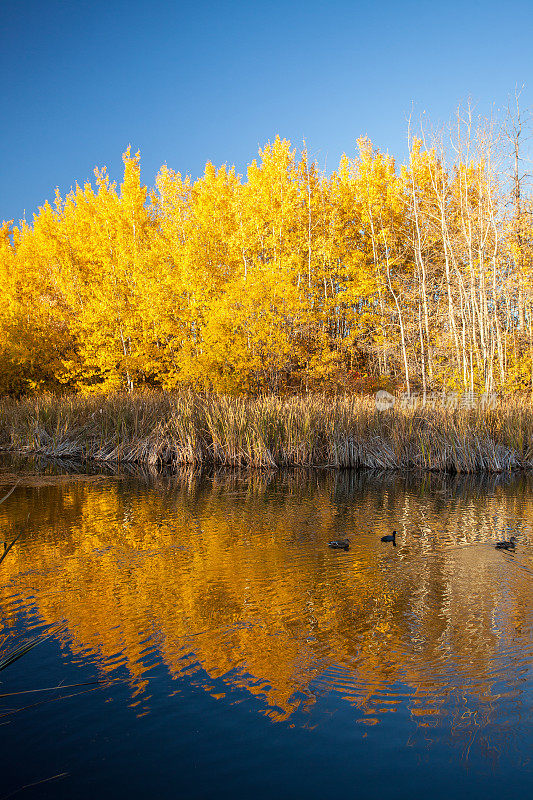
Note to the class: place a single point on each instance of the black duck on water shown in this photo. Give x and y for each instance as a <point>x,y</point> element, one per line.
<point>340,544</point>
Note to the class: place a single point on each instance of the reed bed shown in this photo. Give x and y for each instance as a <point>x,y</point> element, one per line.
<point>345,432</point>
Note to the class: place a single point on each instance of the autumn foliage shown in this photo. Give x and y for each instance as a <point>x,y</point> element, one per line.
<point>287,280</point>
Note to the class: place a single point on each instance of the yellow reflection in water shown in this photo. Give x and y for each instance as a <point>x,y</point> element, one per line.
<point>231,581</point>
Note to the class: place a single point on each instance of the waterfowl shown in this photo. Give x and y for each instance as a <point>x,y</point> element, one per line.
<point>510,545</point>
<point>340,544</point>
<point>390,538</point>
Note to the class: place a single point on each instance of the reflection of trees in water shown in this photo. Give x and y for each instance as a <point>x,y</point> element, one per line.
<point>227,576</point>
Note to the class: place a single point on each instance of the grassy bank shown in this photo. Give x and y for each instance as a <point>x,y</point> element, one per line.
<point>343,432</point>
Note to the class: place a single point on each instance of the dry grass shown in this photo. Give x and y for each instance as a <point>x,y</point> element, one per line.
<point>313,431</point>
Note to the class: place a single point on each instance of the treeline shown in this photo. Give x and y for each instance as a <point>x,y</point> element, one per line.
<point>415,278</point>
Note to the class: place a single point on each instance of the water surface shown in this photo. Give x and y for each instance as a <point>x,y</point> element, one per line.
<point>237,655</point>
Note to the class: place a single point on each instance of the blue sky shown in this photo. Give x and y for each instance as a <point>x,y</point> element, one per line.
<point>196,81</point>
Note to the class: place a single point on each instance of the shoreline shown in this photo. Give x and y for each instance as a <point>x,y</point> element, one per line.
<point>174,430</point>
<point>209,465</point>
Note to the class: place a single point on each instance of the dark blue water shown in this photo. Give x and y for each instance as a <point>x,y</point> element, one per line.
<point>234,654</point>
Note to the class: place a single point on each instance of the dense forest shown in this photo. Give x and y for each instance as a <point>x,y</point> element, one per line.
<point>291,279</point>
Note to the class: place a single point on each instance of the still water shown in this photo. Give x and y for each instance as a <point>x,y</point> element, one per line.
<point>233,654</point>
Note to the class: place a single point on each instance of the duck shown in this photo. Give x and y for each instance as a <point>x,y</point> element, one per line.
<point>510,545</point>
<point>340,544</point>
<point>391,538</point>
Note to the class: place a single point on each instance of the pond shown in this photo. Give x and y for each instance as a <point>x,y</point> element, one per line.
<point>205,641</point>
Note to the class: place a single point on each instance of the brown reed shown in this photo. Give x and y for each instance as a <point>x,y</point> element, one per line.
<point>175,429</point>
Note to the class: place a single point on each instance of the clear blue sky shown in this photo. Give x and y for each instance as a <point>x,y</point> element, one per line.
<point>185,82</point>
